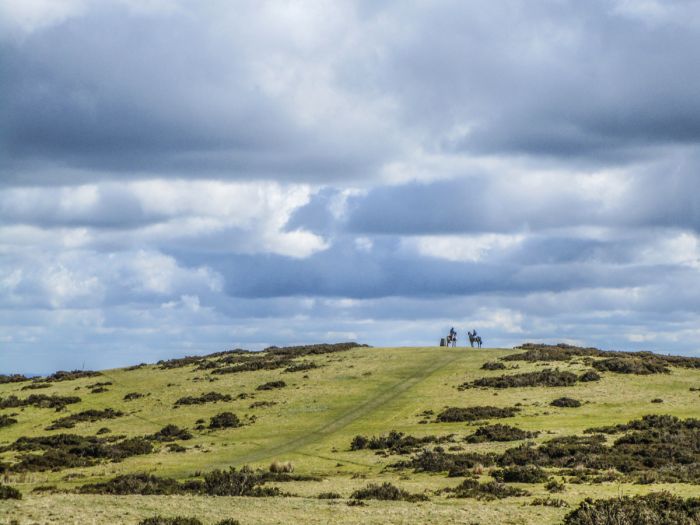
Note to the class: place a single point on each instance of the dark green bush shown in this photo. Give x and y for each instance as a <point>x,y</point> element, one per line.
<point>177,520</point>
<point>630,365</point>
<point>547,377</point>
<point>499,432</point>
<point>386,492</point>
<point>493,365</point>
<point>471,488</point>
<point>458,414</point>
<point>521,474</point>
<point>566,402</point>
<point>171,433</point>
<point>661,508</point>
<point>8,492</point>
<point>225,420</point>
<point>209,397</point>
<point>91,416</point>
<point>271,385</point>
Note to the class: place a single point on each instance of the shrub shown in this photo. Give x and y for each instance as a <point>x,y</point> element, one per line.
<point>278,467</point>
<point>228,521</point>
<point>132,395</point>
<point>493,365</point>
<point>470,488</point>
<point>499,432</point>
<point>232,482</point>
<point>301,367</point>
<point>589,376</point>
<point>550,502</point>
<point>39,401</point>
<point>566,402</point>
<point>547,377</point>
<point>561,352</point>
<point>12,378</point>
<point>171,433</point>
<point>555,486</point>
<point>657,400</point>
<point>271,385</point>
<point>225,420</point>
<point>209,397</point>
<point>438,460</point>
<point>458,414</point>
<point>521,474</point>
<point>8,492</point>
<point>661,508</point>
<point>6,421</point>
<point>87,415</point>
<point>62,375</point>
<point>143,484</point>
<point>177,520</point>
<point>397,442</point>
<point>386,492</point>
<point>329,495</point>
<point>630,365</point>
<point>262,404</point>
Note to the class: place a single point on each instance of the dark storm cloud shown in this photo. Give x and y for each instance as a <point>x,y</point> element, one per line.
<point>117,95</point>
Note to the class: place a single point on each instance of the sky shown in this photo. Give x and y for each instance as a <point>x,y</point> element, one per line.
<point>184,177</point>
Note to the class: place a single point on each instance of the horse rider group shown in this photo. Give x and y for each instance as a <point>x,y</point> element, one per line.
<point>451,339</point>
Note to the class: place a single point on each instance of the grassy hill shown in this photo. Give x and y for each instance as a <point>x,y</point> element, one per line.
<point>308,405</point>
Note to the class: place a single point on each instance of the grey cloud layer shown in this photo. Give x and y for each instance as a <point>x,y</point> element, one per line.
<point>182,177</point>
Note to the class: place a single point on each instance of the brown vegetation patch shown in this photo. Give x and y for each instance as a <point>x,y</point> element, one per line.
<point>39,401</point>
<point>87,415</point>
<point>547,378</point>
<point>499,432</point>
<point>459,414</point>
<point>209,397</point>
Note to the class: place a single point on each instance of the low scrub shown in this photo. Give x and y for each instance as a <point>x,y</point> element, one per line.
<point>493,365</point>
<point>471,488</point>
<point>62,375</point>
<point>209,397</point>
<point>231,482</point>
<point>561,352</point>
<point>386,492</point>
<point>39,401</point>
<point>566,402</point>
<point>6,421</point>
<point>36,386</point>
<point>630,365</point>
<point>170,433</point>
<point>301,367</point>
<point>62,451</point>
<point>437,460</point>
<point>549,502</point>
<point>548,378</point>
<point>499,432</point>
<point>396,442</point>
<point>177,520</point>
<point>12,378</point>
<point>589,376</point>
<point>459,414</point>
<point>521,474</point>
<point>86,416</point>
<point>133,395</point>
<point>281,467</point>
<point>225,420</point>
<point>8,492</point>
<point>661,508</point>
<point>272,385</point>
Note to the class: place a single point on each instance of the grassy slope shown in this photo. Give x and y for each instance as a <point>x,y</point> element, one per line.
<point>364,391</point>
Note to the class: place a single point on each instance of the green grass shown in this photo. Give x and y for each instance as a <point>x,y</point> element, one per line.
<point>363,391</point>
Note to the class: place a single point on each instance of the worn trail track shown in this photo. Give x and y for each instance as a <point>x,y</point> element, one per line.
<point>376,401</point>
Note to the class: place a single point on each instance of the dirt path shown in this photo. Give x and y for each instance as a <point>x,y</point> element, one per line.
<point>385,396</point>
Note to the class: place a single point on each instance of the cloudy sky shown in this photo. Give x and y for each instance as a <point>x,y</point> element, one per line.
<point>182,177</point>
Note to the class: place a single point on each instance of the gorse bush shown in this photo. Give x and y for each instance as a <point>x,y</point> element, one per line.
<point>630,365</point>
<point>493,365</point>
<point>225,420</point>
<point>566,402</point>
<point>272,385</point>
<point>521,474</point>
<point>177,520</point>
<point>499,432</point>
<point>653,509</point>
<point>387,492</point>
<point>548,378</point>
<point>6,421</point>
<point>171,433</point>
<point>397,442</point>
<point>471,488</point>
<point>459,414</point>
<point>39,401</point>
<point>85,416</point>
<point>8,492</point>
<point>209,397</point>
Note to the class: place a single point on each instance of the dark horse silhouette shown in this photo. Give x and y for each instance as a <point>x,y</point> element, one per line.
<point>451,339</point>
<point>473,338</point>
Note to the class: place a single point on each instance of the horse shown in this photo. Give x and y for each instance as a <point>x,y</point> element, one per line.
<point>451,339</point>
<point>473,338</point>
